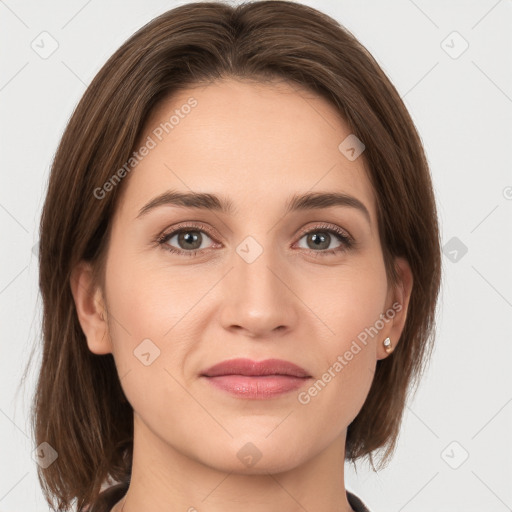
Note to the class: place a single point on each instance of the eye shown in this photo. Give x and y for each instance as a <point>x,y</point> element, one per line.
<point>192,239</point>
<point>189,239</point>
<point>319,239</point>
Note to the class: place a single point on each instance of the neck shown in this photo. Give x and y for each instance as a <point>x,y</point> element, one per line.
<point>162,475</point>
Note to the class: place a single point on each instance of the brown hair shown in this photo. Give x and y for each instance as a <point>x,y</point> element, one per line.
<point>79,406</point>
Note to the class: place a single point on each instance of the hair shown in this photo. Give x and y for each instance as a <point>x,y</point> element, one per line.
<point>79,406</point>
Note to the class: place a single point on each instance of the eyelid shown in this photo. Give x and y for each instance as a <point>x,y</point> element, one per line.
<point>328,227</point>
<point>191,225</point>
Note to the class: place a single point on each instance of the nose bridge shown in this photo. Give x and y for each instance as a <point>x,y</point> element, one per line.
<point>257,298</point>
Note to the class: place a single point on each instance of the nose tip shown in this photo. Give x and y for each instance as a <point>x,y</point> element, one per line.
<point>257,300</point>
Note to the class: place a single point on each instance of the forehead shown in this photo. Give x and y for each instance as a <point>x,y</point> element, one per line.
<point>249,141</point>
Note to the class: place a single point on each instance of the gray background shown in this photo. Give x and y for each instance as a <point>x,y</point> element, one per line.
<point>454,451</point>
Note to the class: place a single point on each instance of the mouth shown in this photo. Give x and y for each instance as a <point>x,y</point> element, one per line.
<point>249,379</point>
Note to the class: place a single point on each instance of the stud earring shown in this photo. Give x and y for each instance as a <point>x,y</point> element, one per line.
<point>388,346</point>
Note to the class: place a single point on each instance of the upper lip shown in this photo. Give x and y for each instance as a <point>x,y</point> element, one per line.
<point>254,368</point>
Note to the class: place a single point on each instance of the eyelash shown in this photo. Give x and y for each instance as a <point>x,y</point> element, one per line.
<point>347,242</point>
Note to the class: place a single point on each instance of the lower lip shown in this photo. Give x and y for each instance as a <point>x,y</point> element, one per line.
<point>257,387</point>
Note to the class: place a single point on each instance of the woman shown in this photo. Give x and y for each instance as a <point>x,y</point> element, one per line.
<point>239,264</point>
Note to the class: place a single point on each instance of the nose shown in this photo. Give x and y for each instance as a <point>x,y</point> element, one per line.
<point>258,297</point>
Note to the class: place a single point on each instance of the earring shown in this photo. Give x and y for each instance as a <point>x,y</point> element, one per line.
<point>388,346</point>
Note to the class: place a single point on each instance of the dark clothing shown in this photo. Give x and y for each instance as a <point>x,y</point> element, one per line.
<point>108,498</point>
<point>356,503</point>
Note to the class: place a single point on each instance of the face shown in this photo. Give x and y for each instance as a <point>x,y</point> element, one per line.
<point>251,273</point>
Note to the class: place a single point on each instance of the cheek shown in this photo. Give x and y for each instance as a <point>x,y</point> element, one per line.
<point>349,306</point>
<point>156,324</point>
<point>147,300</point>
<point>335,398</point>
<point>148,311</point>
<point>348,300</point>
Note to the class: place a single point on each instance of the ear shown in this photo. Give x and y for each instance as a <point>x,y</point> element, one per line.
<point>90,308</point>
<point>397,305</point>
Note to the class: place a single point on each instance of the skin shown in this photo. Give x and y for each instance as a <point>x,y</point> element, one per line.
<point>255,144</point>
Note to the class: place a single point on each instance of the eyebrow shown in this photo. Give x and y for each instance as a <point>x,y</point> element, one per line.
<point>297,202</point>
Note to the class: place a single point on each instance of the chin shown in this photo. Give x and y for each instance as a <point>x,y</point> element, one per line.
<point>254,457</point>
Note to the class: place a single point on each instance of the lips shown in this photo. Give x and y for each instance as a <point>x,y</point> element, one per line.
<point>251,368</point>
<point>257,380</point>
